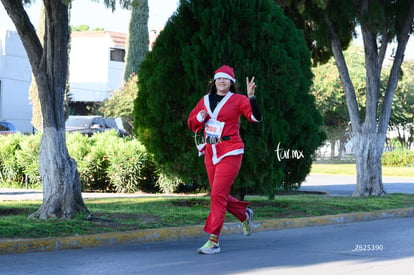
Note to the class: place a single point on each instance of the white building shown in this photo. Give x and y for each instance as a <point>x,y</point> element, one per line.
<point>15,78</point>
<point>96,69</point>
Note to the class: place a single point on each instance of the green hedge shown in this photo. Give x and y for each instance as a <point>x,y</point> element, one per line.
<point>398,158</point>
<point>105,162</point>
<point>10,170</point>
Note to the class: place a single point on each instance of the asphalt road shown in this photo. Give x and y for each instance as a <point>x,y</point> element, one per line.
<point>374,247</point>
<point>340,185</point>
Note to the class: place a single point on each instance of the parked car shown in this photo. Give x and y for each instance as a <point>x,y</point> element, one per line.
<point>89,125</point>
<point>7,127</point>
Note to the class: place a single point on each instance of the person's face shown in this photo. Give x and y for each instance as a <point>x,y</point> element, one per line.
<point>223,85</point>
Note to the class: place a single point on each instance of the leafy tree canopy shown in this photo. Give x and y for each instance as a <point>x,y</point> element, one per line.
<point>84,28</point>
<point>402,118</point>
<point>121,103</point>
<point>328,90</point>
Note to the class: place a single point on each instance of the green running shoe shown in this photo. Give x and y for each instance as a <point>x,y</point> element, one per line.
<point>248,223</point>
<point>209,247</point>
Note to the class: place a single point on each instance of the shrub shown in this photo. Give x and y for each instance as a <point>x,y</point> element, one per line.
<point>168,183</point>
<point>105,162</point>
<point>95,164</point>
<point>132,168</point>
<point>28,159</point>
<point>10,171</point>
<point>398,158</point>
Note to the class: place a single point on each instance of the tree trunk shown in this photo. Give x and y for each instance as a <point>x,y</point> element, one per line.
<point>62,197</point>
<point>368,153</point>
<point>33,91</point>
<point>332,157</point>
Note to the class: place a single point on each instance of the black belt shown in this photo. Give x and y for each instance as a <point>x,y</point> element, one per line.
<point>214,140</point>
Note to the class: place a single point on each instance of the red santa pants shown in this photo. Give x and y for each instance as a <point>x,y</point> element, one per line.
<point>221,177</point>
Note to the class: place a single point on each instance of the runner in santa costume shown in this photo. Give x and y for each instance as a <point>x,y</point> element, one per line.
<point>218,113</point>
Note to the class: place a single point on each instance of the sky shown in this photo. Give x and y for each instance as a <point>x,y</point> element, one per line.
<point>96,15</point>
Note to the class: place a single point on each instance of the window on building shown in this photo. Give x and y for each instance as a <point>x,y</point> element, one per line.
<point>117,55</point>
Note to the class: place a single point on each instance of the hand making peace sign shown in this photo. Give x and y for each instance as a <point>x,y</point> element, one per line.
<point>251,86</point>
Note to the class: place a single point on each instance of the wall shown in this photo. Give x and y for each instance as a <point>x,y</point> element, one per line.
<point>92,75</point>
<point>15,77</point>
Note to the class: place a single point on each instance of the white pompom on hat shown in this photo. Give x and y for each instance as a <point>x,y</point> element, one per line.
<point>225,72</point>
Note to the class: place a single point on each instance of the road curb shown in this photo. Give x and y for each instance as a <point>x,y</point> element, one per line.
<point>175,233</point>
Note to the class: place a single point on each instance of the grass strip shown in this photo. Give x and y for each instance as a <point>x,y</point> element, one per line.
<point>125,214</point>
<point>350,169</point>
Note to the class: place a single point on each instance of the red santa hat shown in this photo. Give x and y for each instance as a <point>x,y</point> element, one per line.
<point>225,72</point>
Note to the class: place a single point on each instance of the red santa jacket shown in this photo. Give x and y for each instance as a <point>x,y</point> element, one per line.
<point>228,110</point>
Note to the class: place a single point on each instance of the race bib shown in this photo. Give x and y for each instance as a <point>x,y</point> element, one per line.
<point>214,128</point>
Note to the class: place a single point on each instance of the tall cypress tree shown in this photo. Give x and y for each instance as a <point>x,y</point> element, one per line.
<point>138,38</point>
<point>257,39</point>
